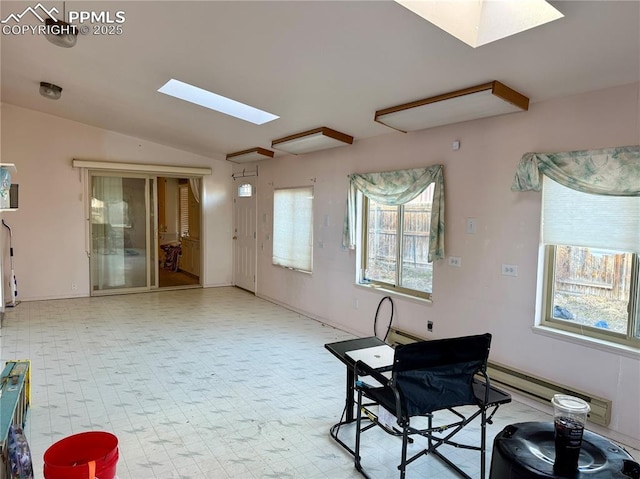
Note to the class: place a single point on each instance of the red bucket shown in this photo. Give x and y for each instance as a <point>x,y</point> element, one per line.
<point>88,455</point>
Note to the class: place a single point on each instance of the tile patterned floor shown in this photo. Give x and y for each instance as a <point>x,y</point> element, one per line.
<point>205,383</point>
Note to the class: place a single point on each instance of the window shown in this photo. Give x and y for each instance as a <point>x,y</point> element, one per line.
<point>183,193</point>
<point>293,228</point>
<point>591,245</point>
<point>396,244</point>
<point>245,190</point>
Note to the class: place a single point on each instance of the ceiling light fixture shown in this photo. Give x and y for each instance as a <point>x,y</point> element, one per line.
<point>61,33</point>
<point>50,91</point>
<point>253,154</point>
<point>489,99</point>
<point>478,22</point>
<point>213,101</point>
<point>312,140</point>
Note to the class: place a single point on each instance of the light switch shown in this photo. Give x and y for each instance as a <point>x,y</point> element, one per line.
<point>472,224</point>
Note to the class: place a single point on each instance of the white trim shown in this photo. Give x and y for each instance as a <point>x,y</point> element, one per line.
<point>587,341</point>
<point>114,166</point>
<point>374,287</point>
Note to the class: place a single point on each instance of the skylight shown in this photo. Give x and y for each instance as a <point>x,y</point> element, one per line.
<point>216,102</point>
<point>478,22</point>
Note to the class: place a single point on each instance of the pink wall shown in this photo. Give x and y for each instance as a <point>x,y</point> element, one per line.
<point>476,297</point>
<point>50,232</point>
<point>50,228</point>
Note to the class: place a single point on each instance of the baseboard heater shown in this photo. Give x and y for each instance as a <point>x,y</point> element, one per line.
<point>398,336</point>
<point>534,387</point>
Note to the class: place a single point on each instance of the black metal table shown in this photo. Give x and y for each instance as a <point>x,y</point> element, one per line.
<point>339,350</point>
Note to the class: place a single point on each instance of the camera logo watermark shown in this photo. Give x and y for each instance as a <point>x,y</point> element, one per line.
<point>89,22</point>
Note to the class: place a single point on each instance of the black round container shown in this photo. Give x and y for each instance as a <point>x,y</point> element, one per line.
<point>527,451</point>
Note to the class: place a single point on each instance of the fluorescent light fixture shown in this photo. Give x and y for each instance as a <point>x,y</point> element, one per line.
<point>253,154</point>
<point>489,99</point>
<point>216,102</point>
<point>312,140</point>
<point>478,22</point>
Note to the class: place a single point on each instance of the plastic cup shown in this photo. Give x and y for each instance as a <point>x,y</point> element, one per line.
<point>569,418</point>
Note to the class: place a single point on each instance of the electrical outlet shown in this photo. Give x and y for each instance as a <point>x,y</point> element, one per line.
<point>455,261</point>
<point>430,326</point>
<point>74,286</point>
<point>510,269</point>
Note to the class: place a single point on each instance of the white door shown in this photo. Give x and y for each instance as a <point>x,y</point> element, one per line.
<point>244,235</point>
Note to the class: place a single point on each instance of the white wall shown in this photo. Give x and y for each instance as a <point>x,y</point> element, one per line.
<point>475,298</point>
<point>50,228</point>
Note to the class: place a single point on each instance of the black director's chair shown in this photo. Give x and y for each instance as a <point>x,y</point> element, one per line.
<point>427,377</point>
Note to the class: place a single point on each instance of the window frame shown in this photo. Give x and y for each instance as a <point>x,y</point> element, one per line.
<point>631,338</point>
<point>363,280</point>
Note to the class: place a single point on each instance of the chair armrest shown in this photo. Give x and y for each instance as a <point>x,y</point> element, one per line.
<point>487,384</point>
<point>363,369</point>
<point>489,396</point>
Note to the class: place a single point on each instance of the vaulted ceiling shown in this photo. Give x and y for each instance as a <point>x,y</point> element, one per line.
<point>313,63</point>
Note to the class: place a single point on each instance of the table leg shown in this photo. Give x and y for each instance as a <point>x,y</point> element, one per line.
<point>349,417</point>
<point>351,378</point>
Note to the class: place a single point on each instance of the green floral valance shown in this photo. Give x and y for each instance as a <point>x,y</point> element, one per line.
<point>609,171</point>
<point>397,188</point>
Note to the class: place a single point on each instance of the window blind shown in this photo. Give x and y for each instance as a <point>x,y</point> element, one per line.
<point>183,191</point>
<point>570,217</point>
<point>293,228</point>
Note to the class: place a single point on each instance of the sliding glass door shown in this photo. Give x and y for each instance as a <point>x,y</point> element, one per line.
<point>122,217</point>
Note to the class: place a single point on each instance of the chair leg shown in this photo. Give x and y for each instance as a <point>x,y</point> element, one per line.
<point>483,442</point>
<point>405,440</point>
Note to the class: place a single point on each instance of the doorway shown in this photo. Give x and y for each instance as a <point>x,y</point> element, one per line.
<point>244,236</point>
<point>145,232</point>
<point>178,243</point>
